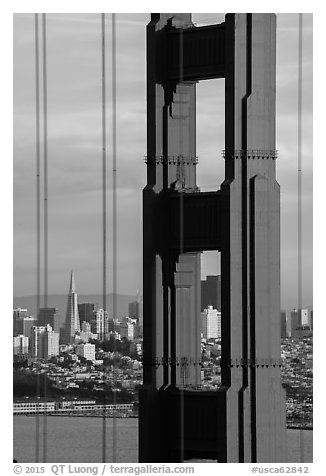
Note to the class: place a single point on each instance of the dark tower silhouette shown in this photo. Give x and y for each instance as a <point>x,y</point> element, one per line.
<point>244,420</point>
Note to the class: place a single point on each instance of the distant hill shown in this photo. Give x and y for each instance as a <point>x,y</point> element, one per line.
<point>60,302</point>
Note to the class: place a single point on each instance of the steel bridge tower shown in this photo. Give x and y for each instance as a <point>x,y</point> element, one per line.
<point>244,420</point>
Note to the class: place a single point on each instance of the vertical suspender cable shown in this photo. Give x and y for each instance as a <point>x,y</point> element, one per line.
<point>181,158</point>
<point>114,202</point>
<point>300,195</point>
<point>45,152</point>
<point>103,204</point>
<point>38,218</point>
<point>182,178</point>
<point>114,450</point>
<point>45,212</point>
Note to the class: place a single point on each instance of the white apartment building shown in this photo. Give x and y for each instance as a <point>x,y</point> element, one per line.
<point>211,323</point>
<point>87,351</point>
<point>20,345</point>
<point>127,330</point>
<point>101,323</point>
<point>44,342</point>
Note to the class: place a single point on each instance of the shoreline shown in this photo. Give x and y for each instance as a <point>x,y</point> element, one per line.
<point>289,426</point>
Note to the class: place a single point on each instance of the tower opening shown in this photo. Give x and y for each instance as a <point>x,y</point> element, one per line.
<point>210,321</point>
<point>210,131</point>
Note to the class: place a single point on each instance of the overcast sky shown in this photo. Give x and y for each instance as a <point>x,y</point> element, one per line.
<point>75,156</point>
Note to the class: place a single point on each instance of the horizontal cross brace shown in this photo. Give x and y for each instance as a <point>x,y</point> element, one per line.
<point>192,54</point>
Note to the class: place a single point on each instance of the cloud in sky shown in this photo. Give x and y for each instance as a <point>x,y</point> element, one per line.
<point>75,156</point>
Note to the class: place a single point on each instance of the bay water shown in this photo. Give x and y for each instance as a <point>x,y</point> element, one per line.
<point>79,440</point>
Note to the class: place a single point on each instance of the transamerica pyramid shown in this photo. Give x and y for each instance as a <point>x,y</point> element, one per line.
<point>72,317</point>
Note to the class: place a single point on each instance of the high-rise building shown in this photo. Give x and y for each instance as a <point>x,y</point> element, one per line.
<point>211,323</point>
<point>134,309</point>
<point>136,312</point>
<point>295,321</point>
<point>100,324</point>
<point>137,331</point>
<point>127,330</point>
<point>311,320</point>
<point>36,341</point>
<point>86,311</point>
<point>72,324</point>
<point>51,342</point>
<point>211,292</point>
<point>18,315</point>
<point>86,350</point>
<point>304,317</point>
<point>44,342</point>
<point>86,332</point>
<point>285,325</point>
<point>299,323</point>
<point>24,326</point>
<point>18,312</point>
<point>49,315</point>
<point>20,345</point>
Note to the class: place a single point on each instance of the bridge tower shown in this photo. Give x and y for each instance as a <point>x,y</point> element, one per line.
<point>244,420</point>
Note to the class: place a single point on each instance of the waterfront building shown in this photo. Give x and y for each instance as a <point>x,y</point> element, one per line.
<point>71,406</point>
<point>72,324</point>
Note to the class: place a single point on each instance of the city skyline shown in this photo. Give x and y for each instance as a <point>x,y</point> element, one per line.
<point>74,144</point>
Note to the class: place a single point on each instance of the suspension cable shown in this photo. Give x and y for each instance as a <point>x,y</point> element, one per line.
<point>45,152</point>
<point>300,197</point>
<point>181,244</point>
<point>114,204</point>
<point>104,230</point>
<point>38,218</point>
